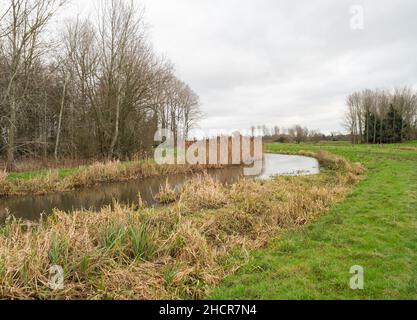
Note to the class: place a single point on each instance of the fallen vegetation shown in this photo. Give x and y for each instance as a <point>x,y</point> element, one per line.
<point>177,251</point>
<point>407,148</point>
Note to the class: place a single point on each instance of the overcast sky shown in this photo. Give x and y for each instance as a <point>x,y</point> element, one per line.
<point>273,62</point>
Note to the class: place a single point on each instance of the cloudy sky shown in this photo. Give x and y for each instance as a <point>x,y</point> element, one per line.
<point>274,62</point>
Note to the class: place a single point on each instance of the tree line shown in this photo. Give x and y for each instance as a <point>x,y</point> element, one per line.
<point>294,134</point>
<point>382,116</point>
<point>96,89</point>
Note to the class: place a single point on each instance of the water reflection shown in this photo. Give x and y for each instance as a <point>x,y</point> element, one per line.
<point>287,165</point>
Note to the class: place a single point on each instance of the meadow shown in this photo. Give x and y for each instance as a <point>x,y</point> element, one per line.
<point>374,227</point>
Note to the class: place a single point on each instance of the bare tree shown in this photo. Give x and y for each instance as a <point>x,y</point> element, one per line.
<point>23,24</point>
<point>298,133</point>
<point>381,116</point>
<point>102,93</point>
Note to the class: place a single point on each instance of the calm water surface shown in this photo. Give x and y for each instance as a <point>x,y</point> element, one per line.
<point>32,207</point>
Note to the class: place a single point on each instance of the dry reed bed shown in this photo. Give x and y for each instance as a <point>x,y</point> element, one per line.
<point>173,252</point>
<point>90,176</point>
<point>407,148</point>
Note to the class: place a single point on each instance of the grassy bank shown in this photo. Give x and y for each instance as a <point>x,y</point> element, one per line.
<point>374,227</point>
<point>177,251</point>
<point>66,179</point>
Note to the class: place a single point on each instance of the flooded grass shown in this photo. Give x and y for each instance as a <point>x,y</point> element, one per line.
<point>179,251</point>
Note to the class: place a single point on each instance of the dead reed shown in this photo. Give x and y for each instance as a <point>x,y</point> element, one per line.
<point>4,183</point>
<point>167,195</point>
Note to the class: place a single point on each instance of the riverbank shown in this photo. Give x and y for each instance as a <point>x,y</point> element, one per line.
<point>374,227</point>
<point>61,180</point>
<point>179,251</point>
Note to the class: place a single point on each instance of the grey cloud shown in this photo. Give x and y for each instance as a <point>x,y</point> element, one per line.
<point>284,62</point>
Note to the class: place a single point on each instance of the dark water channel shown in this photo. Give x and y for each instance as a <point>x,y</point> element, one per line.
<point>32,207</point>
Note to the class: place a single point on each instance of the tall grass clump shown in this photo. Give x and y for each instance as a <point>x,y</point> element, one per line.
<point>249,196</point>
<point>142,242</point>
<point>167,194</point>
<point>113,236</point>
<point>203,192</point>
<point>4,183</point>
<point>58,251</point>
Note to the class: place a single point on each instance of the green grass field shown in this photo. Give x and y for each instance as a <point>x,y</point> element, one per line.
<point>65,172</point>
<point>374,227</point>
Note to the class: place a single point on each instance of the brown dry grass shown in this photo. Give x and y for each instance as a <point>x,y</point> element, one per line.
<point>177,251</point>
<point>4,183</point>
<point>203,192</point>
<point>407,148</point>
<point>167,195</point>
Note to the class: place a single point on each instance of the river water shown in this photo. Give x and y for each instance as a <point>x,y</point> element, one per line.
<point>32,207</point>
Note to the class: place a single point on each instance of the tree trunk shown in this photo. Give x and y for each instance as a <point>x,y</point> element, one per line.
<point>381,131</point>
<point>116,129</point>
<point>61,111</point>
<point>45,132</point>
<point>360,140</point>
<point>10,164</point>
<point>402,130</point>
